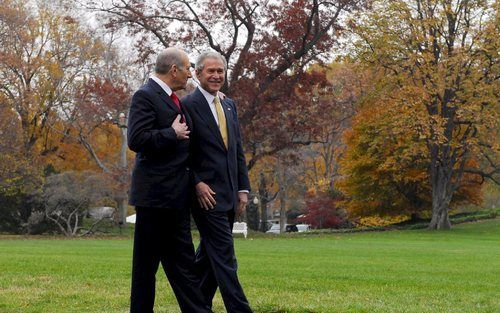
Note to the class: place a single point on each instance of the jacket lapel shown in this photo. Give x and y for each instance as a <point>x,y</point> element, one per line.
<point>203,109</point>
<point>163,95</point>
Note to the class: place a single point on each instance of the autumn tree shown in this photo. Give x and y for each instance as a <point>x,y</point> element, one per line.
<point>66,87</point>
<point>287,173</point>
<point>97,121</point>
<point>44,55</point>
<point>441,59</point>
<point>384,170</point>
<point>317,164</point>
<point>278,183</point>
<point>347,84</point>
<point>322,210</point>
<point>48,60</point>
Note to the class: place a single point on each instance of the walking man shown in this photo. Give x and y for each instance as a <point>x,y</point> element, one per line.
<point>158,131</point>
<point>221,182</point>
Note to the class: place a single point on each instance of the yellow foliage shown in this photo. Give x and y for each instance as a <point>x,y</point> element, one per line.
<point>370,221</point>
<point>432,112</point>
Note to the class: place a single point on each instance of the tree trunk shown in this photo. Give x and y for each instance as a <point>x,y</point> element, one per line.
<point>282,181</point>
<point>440,206</point>
<point>440,218</point>
<point>282,211</point>
<point>121,201</point>
<point>263,201</point>
<point>263,215</point>
<point>442,192</point>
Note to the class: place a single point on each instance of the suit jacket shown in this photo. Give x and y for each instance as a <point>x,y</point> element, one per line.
<point>224,170</point>
<point>161,174</point>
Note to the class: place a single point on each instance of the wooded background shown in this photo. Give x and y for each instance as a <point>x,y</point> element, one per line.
<point>352,112</point>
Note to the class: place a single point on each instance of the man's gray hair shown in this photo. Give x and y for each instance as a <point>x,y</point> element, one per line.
<point>209,55</point>
<point>167,58</point>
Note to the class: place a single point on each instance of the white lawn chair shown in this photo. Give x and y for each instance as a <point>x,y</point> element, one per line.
<point>240,228</point>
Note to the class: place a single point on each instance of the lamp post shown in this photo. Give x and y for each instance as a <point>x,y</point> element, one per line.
<point>122,194</point>
<point>255,200</point>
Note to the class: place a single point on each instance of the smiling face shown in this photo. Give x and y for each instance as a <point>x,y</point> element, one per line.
<point>211,77</point>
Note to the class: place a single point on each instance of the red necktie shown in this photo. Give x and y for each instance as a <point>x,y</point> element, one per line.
<point>176,100</point>
<point>178,104</point>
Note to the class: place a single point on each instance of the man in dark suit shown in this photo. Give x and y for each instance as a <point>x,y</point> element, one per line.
<point>221,182</point>
<point>158,131</point>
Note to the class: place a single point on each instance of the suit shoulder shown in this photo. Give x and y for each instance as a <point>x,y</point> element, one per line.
<point>230,102</point>
<point>187,101</point>
<point>187,98</point>
<point>143,95</point>
<point>144,90</point>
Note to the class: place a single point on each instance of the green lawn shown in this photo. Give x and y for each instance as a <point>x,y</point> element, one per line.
<point>396,271</point>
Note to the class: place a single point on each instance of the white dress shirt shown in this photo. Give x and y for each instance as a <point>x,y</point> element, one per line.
<point>162,85</point>
<point>210,99</point>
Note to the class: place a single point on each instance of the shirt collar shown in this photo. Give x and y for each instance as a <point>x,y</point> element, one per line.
<point>162,85</point>
<point>208,96</point>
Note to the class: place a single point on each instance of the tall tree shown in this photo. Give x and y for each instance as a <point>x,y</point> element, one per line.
<point>44,56</point>
<point>444,56</point>
<point>67,88</point>
<point>347,84</point>
<point>98,123</point>
<point>267,45</point>
<point>384,170</point>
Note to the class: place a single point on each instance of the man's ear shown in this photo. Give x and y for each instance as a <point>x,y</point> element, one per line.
<point>174,69</point>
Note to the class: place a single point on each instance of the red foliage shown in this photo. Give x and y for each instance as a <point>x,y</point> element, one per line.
<point>322,211</point>
<point>268,48</point>
<point>102,100</point>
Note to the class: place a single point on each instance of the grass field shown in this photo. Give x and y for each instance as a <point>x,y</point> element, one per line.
<point>396,271</point>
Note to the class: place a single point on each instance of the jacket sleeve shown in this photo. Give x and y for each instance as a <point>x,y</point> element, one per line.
<point>141,134</point>
<point>243,180</point>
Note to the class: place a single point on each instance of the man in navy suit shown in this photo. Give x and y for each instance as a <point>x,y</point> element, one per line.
<point>158,131</point>
<point>221,181</point>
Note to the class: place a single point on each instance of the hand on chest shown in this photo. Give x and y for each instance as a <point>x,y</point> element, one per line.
<point>166,112</point>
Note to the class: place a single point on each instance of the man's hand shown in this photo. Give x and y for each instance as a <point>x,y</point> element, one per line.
<point>181,129</point>
<point>242,203</point>
<point>205,196</point>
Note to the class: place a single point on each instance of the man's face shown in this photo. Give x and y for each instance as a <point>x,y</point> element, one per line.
<point>183,73</point>
<point>212,76</point>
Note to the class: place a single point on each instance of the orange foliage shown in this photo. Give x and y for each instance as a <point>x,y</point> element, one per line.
<point>385,167</point>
